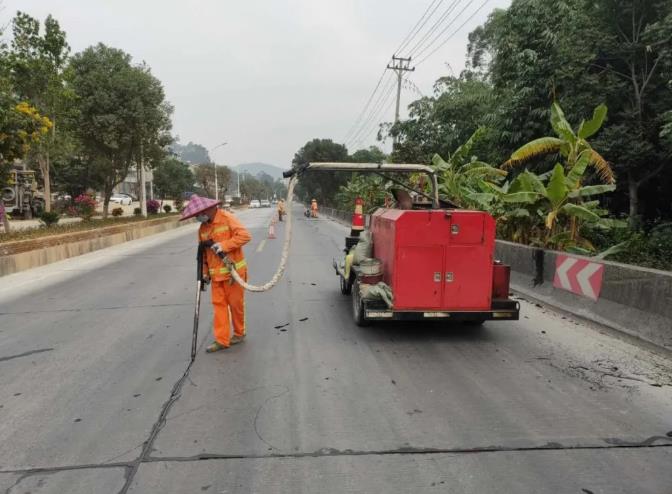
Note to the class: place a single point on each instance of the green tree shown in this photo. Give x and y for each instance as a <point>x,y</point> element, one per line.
<point>371,155</point>
<point>120,110</point>
<point>322,186</point>
<point>172,178</point>
<point>37,63</point>
<point>633,52</point>
<point>205,178</point>
<point>191,153</point>
<point>441,123</point>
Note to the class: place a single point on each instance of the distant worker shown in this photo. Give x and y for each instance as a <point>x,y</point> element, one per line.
<point>281,209</point>
<point>313,208</point>
<point>222,233</point>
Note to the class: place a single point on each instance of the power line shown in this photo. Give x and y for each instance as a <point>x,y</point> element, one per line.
<point>416,29</point>
<point>434,27</point>
<point>372,119</point>
<point>366,106</point>
<point>365,136</point>
<point>454,32</point>
<point>375,111</point>
<point>445,29</point>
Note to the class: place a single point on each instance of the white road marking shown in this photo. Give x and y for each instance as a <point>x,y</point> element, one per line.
<point>261,245</point>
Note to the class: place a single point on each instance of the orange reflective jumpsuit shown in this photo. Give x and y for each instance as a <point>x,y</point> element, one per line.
<point>313,209</point>
<point>226,230</point>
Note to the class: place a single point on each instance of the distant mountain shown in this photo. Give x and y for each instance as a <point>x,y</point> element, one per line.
<point>254,168</point>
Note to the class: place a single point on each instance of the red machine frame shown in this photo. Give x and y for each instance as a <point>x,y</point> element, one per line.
<point>439,261</point>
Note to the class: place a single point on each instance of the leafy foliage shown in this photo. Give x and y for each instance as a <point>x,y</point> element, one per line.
<point>122,115</point>
<point>172,178</point>
<point>322,186</point>
<point>49,218</point>
<point>153,206</point>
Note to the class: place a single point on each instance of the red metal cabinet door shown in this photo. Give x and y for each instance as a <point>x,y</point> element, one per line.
<point>466,228</point>
<point>418,277</point>
<point>467,278</point>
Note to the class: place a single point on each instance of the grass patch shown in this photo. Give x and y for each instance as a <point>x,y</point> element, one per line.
<point>95,224</point>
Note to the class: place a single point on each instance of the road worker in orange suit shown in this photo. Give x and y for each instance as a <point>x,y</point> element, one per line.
<point>313,208</point>
<point>228,236</point>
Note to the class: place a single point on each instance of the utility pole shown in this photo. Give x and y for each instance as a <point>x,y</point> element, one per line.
<point>143,184</point>
<point>216,186</point>
<point>399,65</point>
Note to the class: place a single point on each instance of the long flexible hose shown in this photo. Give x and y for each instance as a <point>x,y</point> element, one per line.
<point>283,258</point>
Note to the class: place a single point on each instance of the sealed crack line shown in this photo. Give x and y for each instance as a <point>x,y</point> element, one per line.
<point>65,468</point>
<point>95,309</point>
<point>175,394</point>
<point>329,452</point>
<point>25,354</point>
<point>31,473</point>
<point>132,467</point>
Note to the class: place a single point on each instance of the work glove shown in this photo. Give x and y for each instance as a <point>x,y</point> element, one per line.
<point>217,249</point>
<point>204,283</point>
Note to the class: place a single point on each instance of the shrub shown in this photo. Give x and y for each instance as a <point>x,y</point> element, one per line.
<point>179,203</point>
<point>116,212</point>
<point>137,212</point>
<point>167,208</point>
<point>651,248</point>
<point>84,206</point>
<point>49,218</point>
<point>153,206</point>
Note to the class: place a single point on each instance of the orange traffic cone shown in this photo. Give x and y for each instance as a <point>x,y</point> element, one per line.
<point>271,231</point>
<point>357,218</point>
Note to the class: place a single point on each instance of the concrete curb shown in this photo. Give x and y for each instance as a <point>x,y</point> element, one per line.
<point>58,250</point>
<point>635,301</point>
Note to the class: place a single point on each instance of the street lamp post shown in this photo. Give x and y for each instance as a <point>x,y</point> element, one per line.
<point>216,185</point>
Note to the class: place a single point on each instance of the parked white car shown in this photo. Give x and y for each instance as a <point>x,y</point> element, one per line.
<point>265,203</point>
<point>123,199</point>
<point>254,203</point>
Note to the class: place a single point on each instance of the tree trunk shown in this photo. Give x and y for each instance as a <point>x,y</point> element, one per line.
<point>46,178</point>
<point>106,199</point>
<point>633,194</point>
<point>5,221</point>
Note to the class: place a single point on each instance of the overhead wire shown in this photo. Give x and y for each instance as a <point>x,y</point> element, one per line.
<point>444,30</point>
<point>387,85</point>
<point>454,32</point>
<point>433,28</point>
<point>366,106</point>
<point>367,134</point>
<point>377,100</point>
<point>418,26</point>
<point>373,121</point>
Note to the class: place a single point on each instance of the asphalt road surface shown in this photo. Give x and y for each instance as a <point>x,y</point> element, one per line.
<point>97,395</point>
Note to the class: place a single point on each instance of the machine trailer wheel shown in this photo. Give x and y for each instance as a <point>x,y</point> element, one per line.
<point>346,286</point>
<point>358,306</point>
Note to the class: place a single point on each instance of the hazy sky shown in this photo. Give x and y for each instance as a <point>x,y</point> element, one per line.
<point>266,76</point>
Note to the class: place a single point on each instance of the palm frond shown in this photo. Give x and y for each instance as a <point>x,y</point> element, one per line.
<point>603,167</point>
<point>534,149</point>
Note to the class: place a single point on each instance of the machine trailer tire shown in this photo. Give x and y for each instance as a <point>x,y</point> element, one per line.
<point>346,286</point>
<point>358,307</point>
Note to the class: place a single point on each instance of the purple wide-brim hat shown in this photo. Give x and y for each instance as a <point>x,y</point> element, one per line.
<point>197,205</point>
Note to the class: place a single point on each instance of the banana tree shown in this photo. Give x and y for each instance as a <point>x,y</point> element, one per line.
<point>573,146</point>
<point>462,175</point>
<point>561,207</point>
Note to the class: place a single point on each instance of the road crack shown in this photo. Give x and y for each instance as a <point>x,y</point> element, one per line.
<point>25,354</point>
